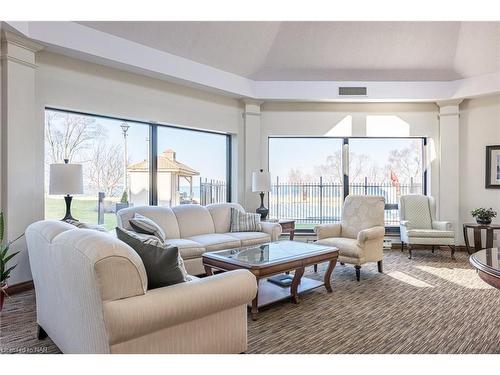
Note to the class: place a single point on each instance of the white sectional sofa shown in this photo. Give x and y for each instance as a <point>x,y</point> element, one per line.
<point>196,229</point>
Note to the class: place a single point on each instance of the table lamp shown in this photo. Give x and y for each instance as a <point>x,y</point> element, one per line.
<point>66,179</point>
<point>261,182</point>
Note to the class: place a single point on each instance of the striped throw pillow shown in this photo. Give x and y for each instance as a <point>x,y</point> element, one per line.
<point>244,222</point>
<point>144,225</point>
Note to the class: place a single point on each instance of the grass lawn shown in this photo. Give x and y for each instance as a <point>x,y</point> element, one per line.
<point>81,209</point>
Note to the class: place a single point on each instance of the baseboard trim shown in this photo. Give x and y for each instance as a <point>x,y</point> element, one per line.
<point>20,287</point>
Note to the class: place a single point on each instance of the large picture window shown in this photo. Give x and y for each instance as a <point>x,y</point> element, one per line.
<point>310,186</point>
<point>191,166</point>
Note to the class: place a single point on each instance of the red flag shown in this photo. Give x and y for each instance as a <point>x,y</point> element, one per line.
<point>395,182</point>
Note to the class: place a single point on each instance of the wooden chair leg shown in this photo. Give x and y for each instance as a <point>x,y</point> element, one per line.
<point>409,251</point>
<point>380,267</point>
<point>452,251</point>
<point>358,272</point>
<point>41,334</point>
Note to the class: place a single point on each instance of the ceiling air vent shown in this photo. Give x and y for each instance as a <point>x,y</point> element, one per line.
<point>352,91</point>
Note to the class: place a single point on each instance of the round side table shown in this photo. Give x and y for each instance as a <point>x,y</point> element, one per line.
<point>477,228</point>
<point>487,264</point>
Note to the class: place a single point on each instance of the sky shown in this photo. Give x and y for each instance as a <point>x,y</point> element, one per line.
<point>204,152</point>
<point>305,153</point>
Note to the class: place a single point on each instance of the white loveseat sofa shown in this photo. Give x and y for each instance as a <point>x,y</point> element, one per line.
<point>91,297</point>
<point>195,229</point>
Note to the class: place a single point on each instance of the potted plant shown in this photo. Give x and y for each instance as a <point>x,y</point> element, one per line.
<point>483,215</point>
<point>123,202</point>
<point>4,259</point>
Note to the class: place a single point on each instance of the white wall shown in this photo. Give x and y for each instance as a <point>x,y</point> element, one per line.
<point>479,127</point>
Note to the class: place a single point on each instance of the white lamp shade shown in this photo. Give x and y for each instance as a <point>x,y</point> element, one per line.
<point>261,181</point>
<point>66,179</point>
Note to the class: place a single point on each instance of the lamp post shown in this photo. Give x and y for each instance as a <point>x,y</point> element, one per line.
<point>125,128</point>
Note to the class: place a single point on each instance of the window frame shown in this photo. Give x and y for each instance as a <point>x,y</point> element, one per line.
<point>345,141</point>
<point>153,148</point>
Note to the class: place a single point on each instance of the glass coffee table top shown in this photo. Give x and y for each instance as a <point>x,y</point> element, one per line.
<point>270,252</point>
<point>487,260</point>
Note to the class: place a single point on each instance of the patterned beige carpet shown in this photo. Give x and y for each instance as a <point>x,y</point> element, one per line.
<point>431,304</point>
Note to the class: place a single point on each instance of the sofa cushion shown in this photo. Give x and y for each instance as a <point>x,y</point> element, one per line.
<point>163,216</point>
<point>144,225</point>
<point>431,233</point>
<point>188,249</point>
<point>162,262</point>
<point>244,221</point>
<point>216,241</point>
<point>251,238</point>
<point>221,215</point>
<point>193,220</point>
<point>348,247</point>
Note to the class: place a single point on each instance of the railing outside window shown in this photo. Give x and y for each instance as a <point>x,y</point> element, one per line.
<point>321,202</point>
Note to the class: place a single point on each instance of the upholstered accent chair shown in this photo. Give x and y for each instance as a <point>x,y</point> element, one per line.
<point>360,234</point>
<point>419,226</point>
<point>92,297</point>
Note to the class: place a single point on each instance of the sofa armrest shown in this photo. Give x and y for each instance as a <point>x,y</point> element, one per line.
<point>442,225</point>
<point>274,229</point>
<point>406,224</point>
<point>327,230</point>
<point>371,234</point>
<point>172,305</point>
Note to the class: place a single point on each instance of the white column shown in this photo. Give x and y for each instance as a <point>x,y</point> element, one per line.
<point>449,169</point>
<point>253,155</point>
<point>22,194</point>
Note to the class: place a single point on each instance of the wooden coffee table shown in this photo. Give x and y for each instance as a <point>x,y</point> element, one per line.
<point>273,259</point>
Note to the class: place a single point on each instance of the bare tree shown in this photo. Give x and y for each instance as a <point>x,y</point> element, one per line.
<point>67,135</point>
<point>104,168</point>
<point>406,163</point>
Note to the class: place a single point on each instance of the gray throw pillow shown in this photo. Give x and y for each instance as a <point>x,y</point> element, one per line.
<point>143,224</point>
<point>244,221</point>
<point>162,262</point>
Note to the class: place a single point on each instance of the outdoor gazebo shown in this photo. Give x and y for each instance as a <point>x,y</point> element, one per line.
<point>170,173</point>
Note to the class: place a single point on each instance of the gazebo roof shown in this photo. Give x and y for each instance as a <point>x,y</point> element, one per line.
<point>166,163</point>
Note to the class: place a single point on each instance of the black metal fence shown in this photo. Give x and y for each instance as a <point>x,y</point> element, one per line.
<point>212,191</point>
<point>321,202</point>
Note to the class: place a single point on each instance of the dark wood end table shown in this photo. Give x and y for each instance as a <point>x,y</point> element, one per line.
<point>477,228</point>
<point>288,226</point>
<point>273,259</point>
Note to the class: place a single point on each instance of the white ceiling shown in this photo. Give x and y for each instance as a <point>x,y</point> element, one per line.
<point>326,51</point>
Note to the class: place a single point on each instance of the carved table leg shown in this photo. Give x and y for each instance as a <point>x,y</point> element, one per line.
<point>477,239</point>
<point>466,238</point>
<point>489,238</point>
<point>255,305</point>
<point>295,284</point>
<point>328,275</point>
<point>208,270</point>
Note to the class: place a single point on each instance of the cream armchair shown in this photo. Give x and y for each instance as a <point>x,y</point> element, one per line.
<point>92,297</point>
<point>419,226</point>
<point>360,235</point>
